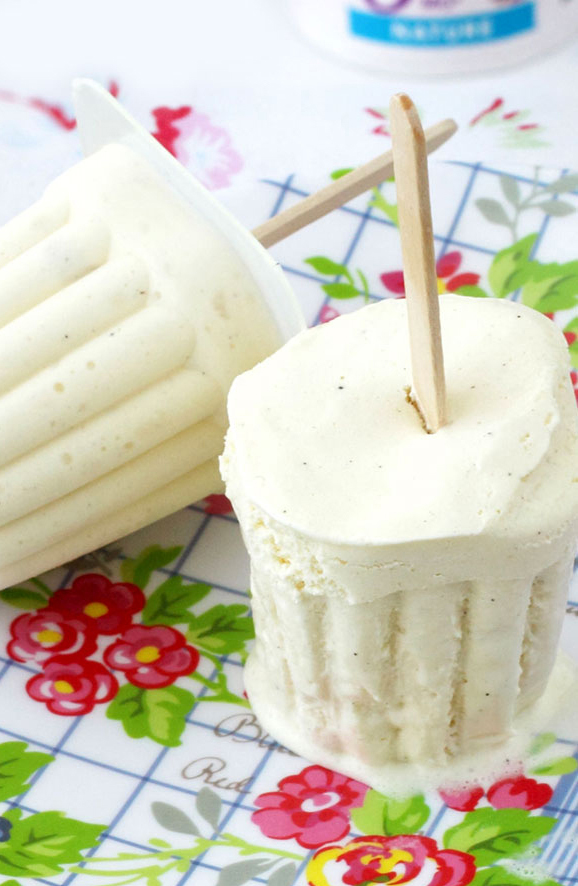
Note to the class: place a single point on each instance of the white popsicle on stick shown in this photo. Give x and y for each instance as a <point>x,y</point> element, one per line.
<point>415,225</point>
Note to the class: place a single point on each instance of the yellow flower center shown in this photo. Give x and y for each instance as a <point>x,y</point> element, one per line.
<point>388,865</point>
<point>63,687</point>
<point>95,610</point>
<point>318,868</point>
<point>147,654</point>
<point>47,637</point>
<point>441,286</point>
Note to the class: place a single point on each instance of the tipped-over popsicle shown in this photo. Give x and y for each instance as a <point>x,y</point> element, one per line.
<point>124,317</point>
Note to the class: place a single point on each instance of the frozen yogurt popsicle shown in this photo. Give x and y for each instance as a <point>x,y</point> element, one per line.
<point>125,313</point>
<point>408,588</point>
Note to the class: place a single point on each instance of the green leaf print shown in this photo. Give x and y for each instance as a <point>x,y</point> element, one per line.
<point>492,834</point>
<point>152,867</point>
<point>563,185</point>
<point>493,211</point>
<point>340,290</point>
<point>545,739</point>
<point>500,876</point>
<point>561,766</point>
<point>23,598</point>
<point>552,287</point>
<point>339,173</point>
<point>472,291</point>
<point>242,871</point>
<point>556,207</point>
<point>17,764</point>
<point>169,604</point>
<point>283,876</point>
<point>173,819</point>
<point>221,630</point>
<point>40,844</point>
<point>139,570</point>
<point>378,201</point>
<point>152,713</point>
<point>386,815</point>
<point>209,806</point>
<point>326,266</point>
<point>512,267</point>
<point>510,189</point>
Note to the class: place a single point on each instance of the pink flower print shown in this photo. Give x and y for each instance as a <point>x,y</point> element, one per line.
<point>464,799</point>
<point>382,115</point>
<point>204,148</point>
<point>519,793</point>
<point>374,860</point>
<point>42,635</point>
<point>328,313</point>
<point>70,688</point>
<point>448,279</point>
<point>109,606</point>
<point>152,656</point>
<point>312,807</point>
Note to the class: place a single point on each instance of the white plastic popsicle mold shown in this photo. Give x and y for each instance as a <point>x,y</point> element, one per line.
<point>102,121</point>
<point>129,299</point>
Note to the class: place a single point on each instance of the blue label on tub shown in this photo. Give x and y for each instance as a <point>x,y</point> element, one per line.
<point>457,30</point>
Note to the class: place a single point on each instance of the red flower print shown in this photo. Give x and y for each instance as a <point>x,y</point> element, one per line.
<point>54,112</point>
<point>448,279</point>
<point>574,379</point>
<point>519,793</point>
<point>313,807</point>
<point>217,504</point>
<point>70,688</point>
<point>109,606</point>
<point>328,313</point>
<point>402,859</point>
<point>495,106</point>
<point>494,110</point>
<point>40,636</point>
<point>464,799</point>
<point>166,132</point>
<point>152,656</point>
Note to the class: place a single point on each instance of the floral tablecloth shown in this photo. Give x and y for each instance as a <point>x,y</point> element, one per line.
<point>128,751</point>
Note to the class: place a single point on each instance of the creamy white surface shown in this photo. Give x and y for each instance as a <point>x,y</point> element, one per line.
<point>124,317</point>
<point>331,409</point>
<point>408,589</point>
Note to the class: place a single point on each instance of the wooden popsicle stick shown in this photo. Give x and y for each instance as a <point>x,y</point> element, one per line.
<point>341,191</point>
<point>421,289</point>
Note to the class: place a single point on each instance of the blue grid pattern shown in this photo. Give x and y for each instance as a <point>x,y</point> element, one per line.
<point>559,848</point>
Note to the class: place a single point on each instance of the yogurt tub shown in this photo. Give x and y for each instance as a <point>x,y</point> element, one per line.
<point>436,36</point>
